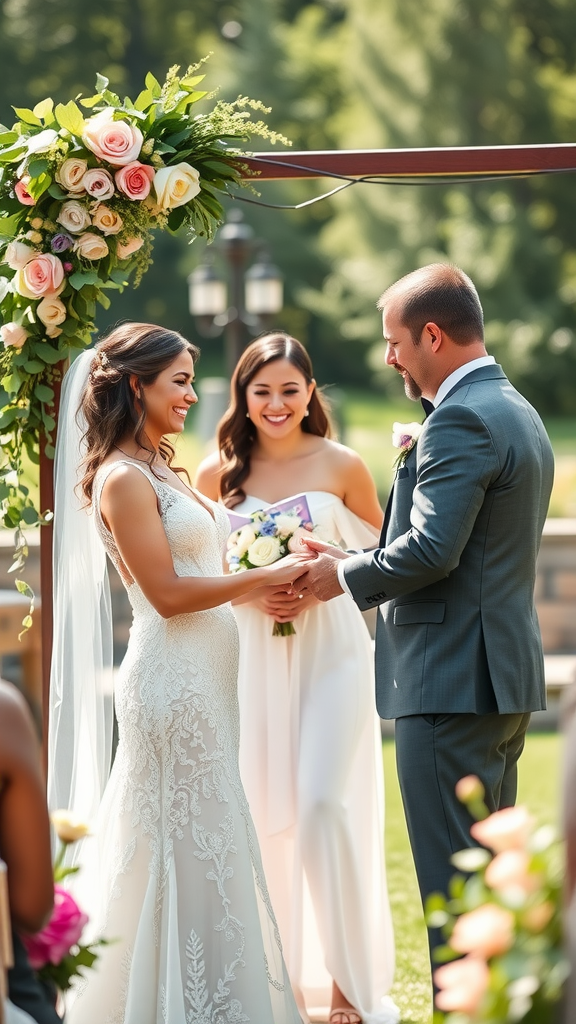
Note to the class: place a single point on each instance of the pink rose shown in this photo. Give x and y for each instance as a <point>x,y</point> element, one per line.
<point>98,183</point>
<point>13,334</point>
<point>63,931</point>
<point>295,544</point>
<point>511,870</point>
<point>462,984</point>
<point>126,249</point>
<point>22,193</point>
<point>117,142</point>
<point>135,179</point>
<point>504,830</point>
<point>486,931</point>
<point>44,275</point>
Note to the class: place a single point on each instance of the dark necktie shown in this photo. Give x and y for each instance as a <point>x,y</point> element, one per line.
<point>427,406</point>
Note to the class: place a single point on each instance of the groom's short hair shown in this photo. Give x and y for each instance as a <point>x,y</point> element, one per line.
<point>442,294</point>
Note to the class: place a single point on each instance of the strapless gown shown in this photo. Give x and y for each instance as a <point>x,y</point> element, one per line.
<point>173,875</point>
<point>311,763</point>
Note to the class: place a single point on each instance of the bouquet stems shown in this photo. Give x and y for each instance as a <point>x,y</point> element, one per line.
<point>283,629</point>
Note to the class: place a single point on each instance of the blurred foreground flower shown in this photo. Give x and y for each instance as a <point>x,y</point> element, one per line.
<point>504,912</point>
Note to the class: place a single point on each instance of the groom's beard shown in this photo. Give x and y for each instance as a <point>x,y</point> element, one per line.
<point>413,392</point>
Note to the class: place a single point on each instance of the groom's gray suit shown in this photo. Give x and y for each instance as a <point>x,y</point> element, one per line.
<point>458,652</point>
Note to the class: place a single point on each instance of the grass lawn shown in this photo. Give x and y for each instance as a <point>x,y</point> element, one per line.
<point>538,789</point>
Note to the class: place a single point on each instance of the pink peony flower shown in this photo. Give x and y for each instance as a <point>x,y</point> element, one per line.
<point>126,249</point>
<point>462,984</point>
<point>504,830</point>
<point>44,275</point>
<point>511,870</point>
<point>22,193</point>
<point>117,142</point>
<point>98,183</point>
<point>63,931</point>
<point>486,931</point>
<point>135,179</point>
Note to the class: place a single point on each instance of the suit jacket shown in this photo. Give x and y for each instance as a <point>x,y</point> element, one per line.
<point>455,574</point>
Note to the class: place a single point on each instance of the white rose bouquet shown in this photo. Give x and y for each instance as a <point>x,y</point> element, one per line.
<point>266,537</point>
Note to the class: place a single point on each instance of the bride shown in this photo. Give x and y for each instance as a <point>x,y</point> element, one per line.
<point>172,876</point>
<point>310,751</point>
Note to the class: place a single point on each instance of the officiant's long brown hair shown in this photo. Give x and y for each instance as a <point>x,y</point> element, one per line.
<point>236,433</point>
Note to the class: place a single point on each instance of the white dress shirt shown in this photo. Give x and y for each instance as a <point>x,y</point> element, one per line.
<point>444,389</point>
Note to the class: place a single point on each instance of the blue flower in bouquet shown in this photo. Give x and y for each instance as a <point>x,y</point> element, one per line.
<point>268,528</point>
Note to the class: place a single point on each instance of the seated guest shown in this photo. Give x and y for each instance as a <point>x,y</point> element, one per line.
<point>25,847</point>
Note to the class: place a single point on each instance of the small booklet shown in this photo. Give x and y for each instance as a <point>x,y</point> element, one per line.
<point>297,505</point>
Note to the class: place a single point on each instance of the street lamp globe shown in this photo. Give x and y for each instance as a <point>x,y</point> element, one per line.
<point>264,293</point>
<point>206,292</point>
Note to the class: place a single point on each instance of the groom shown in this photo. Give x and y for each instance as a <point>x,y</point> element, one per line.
<point>458,652</point>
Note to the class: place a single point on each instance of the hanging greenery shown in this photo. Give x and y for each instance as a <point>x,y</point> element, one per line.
<point>80,197</point>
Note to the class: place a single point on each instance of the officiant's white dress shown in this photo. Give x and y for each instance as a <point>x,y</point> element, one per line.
<point>311,763</point>
<point>173,877</point>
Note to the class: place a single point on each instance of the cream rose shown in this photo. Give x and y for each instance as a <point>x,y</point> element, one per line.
<point>91,247</point>
<point>246,536</point>
<point>126,249</point>
<point>51,311</point>
<point>286,524</point>
<point>176,185</point>
<point>44,275</point>
<point>74,217</point>
<point>134,180</point>
<point>106,220</point>
<point>98,183</point>
<point>264,551</point>
<point>117,142</point>
<point>18,254</point>
<point>68,827</point>
<point>13,334</point>
<point>70,173</point>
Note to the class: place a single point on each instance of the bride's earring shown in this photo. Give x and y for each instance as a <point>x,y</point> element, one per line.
<point>247,415</point>
<point>307,413</point>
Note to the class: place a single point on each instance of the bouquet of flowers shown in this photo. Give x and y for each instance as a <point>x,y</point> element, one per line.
<point>266,536</point>
<point>504,921</point>
<point>81,191</point>
<point>56,953</point>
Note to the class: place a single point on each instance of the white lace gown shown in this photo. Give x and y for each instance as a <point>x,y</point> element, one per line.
<point>311,763</point>
<point>173,877</point>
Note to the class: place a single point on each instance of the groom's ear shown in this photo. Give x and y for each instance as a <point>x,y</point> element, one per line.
<point>432,333</point>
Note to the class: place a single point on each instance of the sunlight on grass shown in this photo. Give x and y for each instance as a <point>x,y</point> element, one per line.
<point>538,789</point>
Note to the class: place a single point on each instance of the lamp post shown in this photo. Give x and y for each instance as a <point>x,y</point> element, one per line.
<point>253,296</point>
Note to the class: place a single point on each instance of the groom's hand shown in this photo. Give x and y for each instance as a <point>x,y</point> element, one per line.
<point>320,577</point>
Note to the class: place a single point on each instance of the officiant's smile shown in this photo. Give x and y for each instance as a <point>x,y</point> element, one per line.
<point>277,398</point>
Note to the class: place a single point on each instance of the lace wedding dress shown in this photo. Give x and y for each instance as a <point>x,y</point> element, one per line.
<point>311,763</point>
<point>173,876</point>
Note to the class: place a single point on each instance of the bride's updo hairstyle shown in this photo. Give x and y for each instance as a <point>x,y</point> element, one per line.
<point>236,433</point>
<point>108,403</point>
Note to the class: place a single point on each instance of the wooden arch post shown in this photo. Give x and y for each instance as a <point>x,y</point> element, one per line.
<point>457,162</point>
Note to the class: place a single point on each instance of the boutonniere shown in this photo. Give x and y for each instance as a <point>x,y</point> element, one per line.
<point>404,437</point>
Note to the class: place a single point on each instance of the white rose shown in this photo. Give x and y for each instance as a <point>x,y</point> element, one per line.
<point>91,247</point>
<point>18,254</point>
<point>70,174</point>
<point>13,334</point>
<point>51,311</point>
<point>286,524</point>
<point>176,185</point>
<point>106,220</point>
<point>246,536</point>
<point>264,551</point>
<point>41,142</point>
<point>74,217</point>
<point>99,183</point>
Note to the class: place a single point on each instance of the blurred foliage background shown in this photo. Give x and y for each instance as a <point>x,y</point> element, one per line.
<point>357,74</point>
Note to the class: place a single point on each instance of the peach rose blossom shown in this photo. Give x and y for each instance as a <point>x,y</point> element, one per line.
<point>91,247</point>
<point>44,275</point>
<point>116,142</point>
<point>51,311</point>
<point>22,193</point>
<point>536,918</point>
<point>486,931</point>
<point>18,254</point>
<point>176,185</point>
<point>74,217</point>
<point>126,249</point>
<point>135,179</point>
<point>469,788</point>
<point>511,870</point>
<point>504,830</point>
<point>70,173</point>
<point>13,334</point>
<point>99,183</point>
<point>106,220</point>
<point>462,984</point>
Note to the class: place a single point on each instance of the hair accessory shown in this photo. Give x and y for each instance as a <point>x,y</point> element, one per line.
<point>103,359</point>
